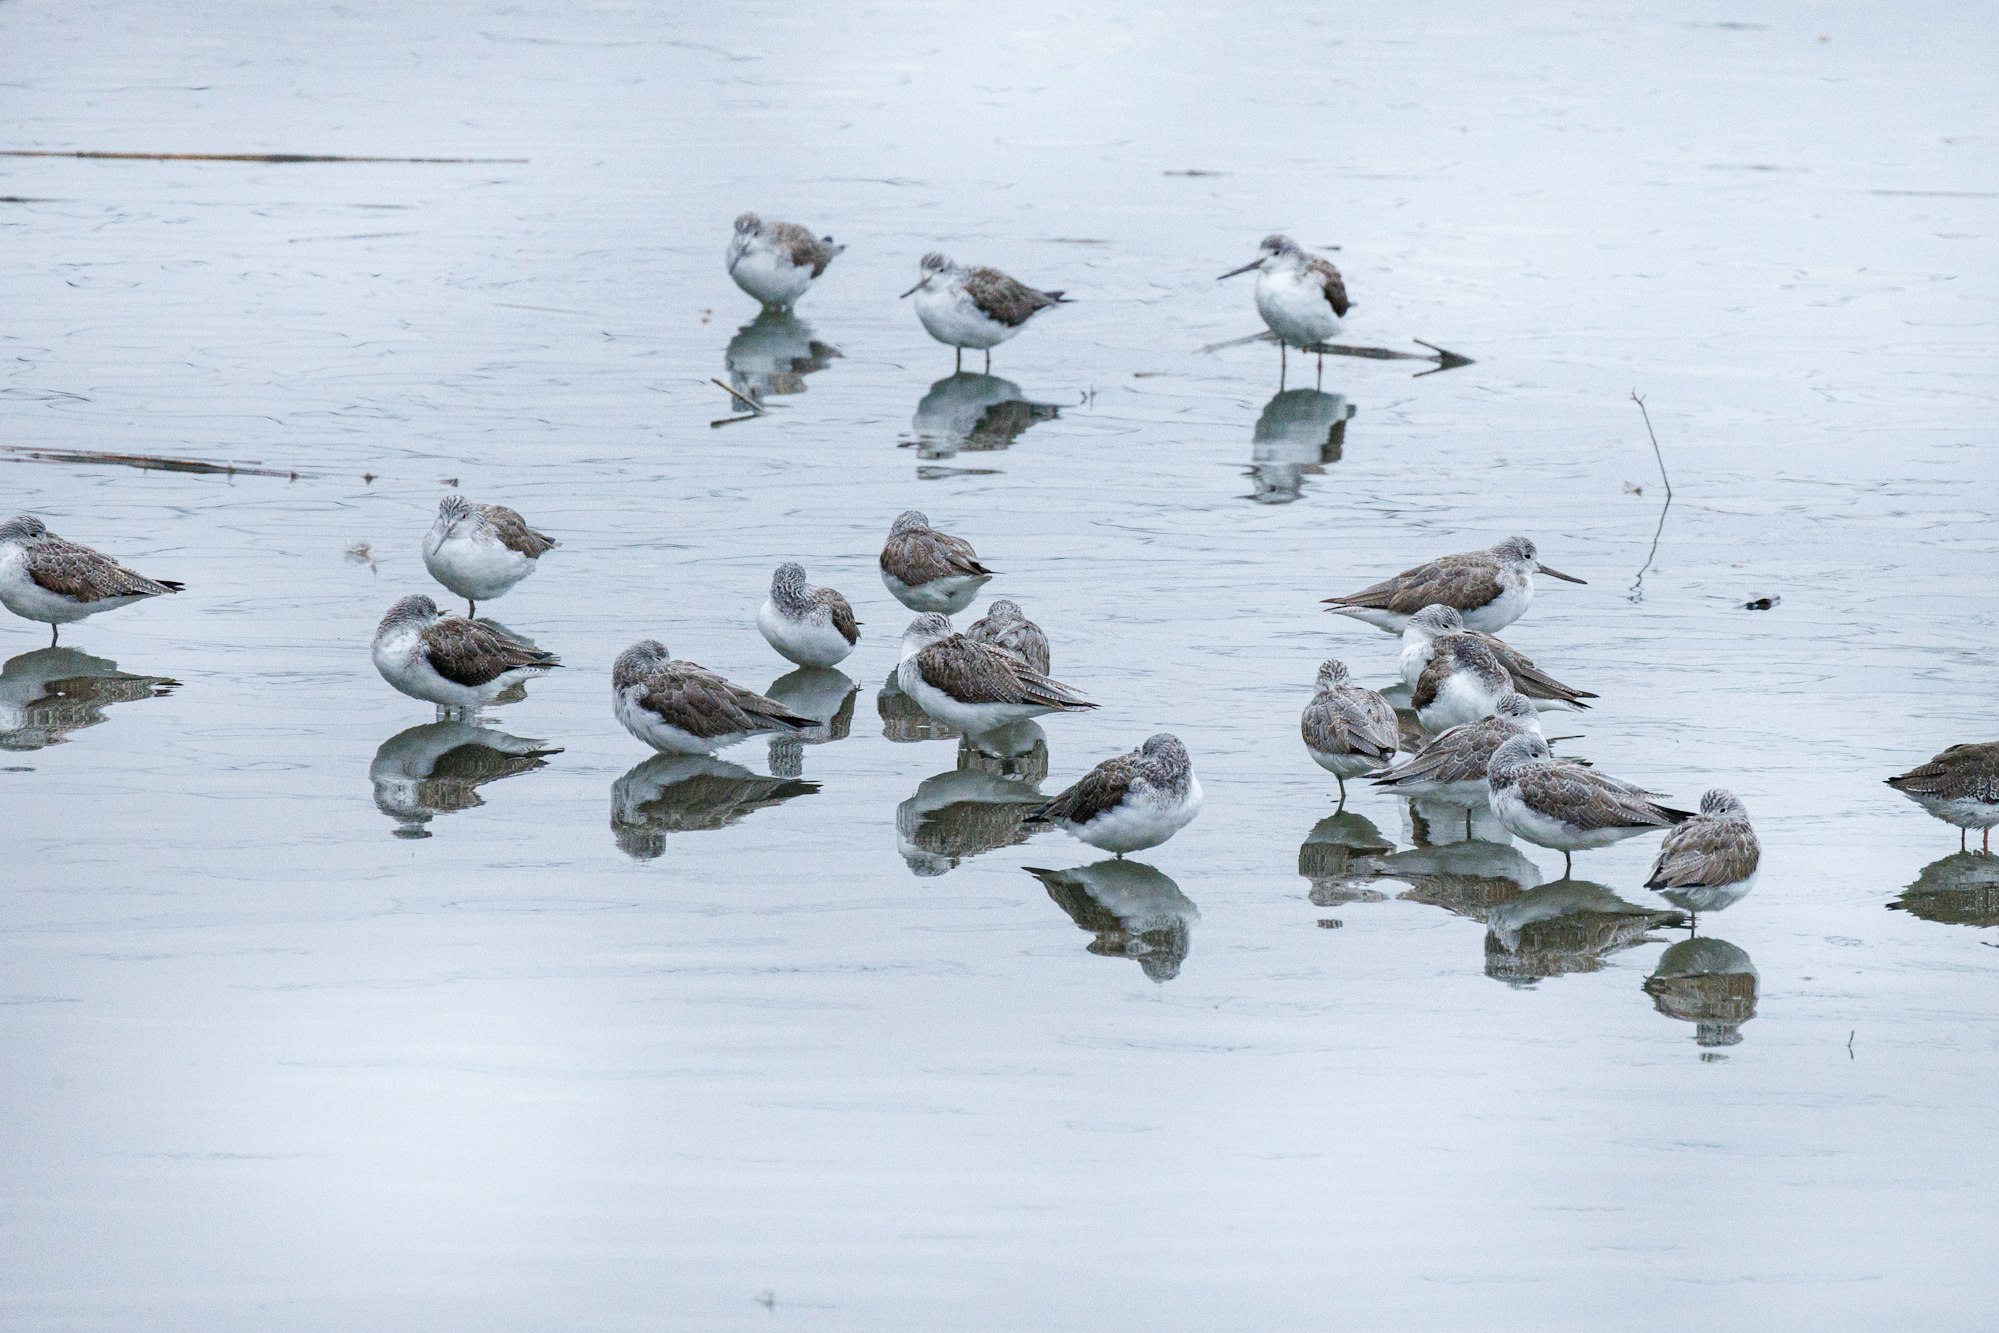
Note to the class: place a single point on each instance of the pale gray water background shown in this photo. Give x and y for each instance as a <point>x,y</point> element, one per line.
<point>273,1067</point>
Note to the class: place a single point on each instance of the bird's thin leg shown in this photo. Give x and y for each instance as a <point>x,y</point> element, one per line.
<point>959,363</point>
<point>1343,793</point>
<point>1467,822</point>
<point>1320,383</point>
<point>471,609</point>
<point>1568,866</point>
<point>1961,833</point>
<point>1283,364</point>
<point>1988,839</point>
<point>989,361</point>
<point>54,630</point>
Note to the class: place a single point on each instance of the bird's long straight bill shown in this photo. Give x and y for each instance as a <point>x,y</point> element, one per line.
<point>1558,574</point>
<point>1244,269</point>
<point>911,292</point>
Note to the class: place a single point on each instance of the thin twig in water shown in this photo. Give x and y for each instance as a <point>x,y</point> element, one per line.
<point>739,396</point>
<point>148,462</point>
<point>1638,584</point>
<point>282,159</point>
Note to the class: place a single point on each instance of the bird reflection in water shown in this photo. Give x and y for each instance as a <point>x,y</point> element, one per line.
<point>977,806</point>
<point>1133,910</point>
<point>773,353</point>
<point>1467,878</point>
<point>438,768</point>
<point>824,694</point>
<point>1709,983</point>
<point>689,793</point>
<point>1340,857</point>
<point>48,693</point>
<point>1960,890</point>
<point>1298,434</point>
<point>903,719</point>
<point>973,414</point>
<point>1570,925</point>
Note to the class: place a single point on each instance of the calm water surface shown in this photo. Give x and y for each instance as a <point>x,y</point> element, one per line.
<point>321,1015</point>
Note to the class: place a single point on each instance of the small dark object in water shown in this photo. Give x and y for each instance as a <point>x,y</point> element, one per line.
<point>1761,604</point>
<point>1330,923</point>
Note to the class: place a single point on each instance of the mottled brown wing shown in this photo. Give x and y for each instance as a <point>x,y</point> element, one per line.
<point>515,534</point>
<point>1430,681</point>
<point>1459,755</point>
<point>843,614</point>
<point>1007,300</point>
<point>978,673</point>
<point>1529,679</point>
<point>704,705</point>
<point>84,575</point>
<point>1022,638</point>
<point>469,653</point>
<point>1100,789</point>
<point>1706,853</point>
<point>1459,581</point>
<point>803,247</point>
<point>1373,722</point>
<point>1968,770</point>
<point>1587,800</point>
<point>1335,286</point>
<point>926,554</point>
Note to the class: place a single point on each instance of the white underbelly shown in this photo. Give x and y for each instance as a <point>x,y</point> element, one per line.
<point>30,600</point>
<point>1345,765</point>
<point>1461,698</point>
<point>946,596</point>
<point>1962,812</point>
<point>1416,656</point>
<point>1137,826</point>
<point>1501,611</point>
<point>954,321</point>
<point>972,719</point>
<point>770,277</point>
<point>1710,897</point>
<point>414,676</point>
<point>1546,831</point>
<point>1298,312</point>
<point>474,569</point>
<point>662,735</point>
<point>812,641</point>
<point>1390,621</point>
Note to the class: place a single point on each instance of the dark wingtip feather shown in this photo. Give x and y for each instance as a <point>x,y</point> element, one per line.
<point>170,585</point>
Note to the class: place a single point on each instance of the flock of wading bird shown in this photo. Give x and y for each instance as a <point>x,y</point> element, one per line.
<point>1477,699</point>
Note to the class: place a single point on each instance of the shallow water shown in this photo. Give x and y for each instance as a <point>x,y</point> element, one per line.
<point>318,1012</point>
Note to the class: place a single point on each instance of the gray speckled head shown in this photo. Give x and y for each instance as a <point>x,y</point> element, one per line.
<point>416,610</point>
<point>1723,802</point>
<point>1516,551</point>
<point>1518,708</point>
<point>928,628</point>
<point>1164,750</point>
<point>1277,243</point>
<point>788,587</point>
<point>454,508</point>
<point>909,520</point>
<point>748,223</point>
<point>936,263</point>
<point>22,528</point>
<point>1515,753</point>
<point>1332,672</point>
<point>635,661</point>
<point>1437,619</point>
